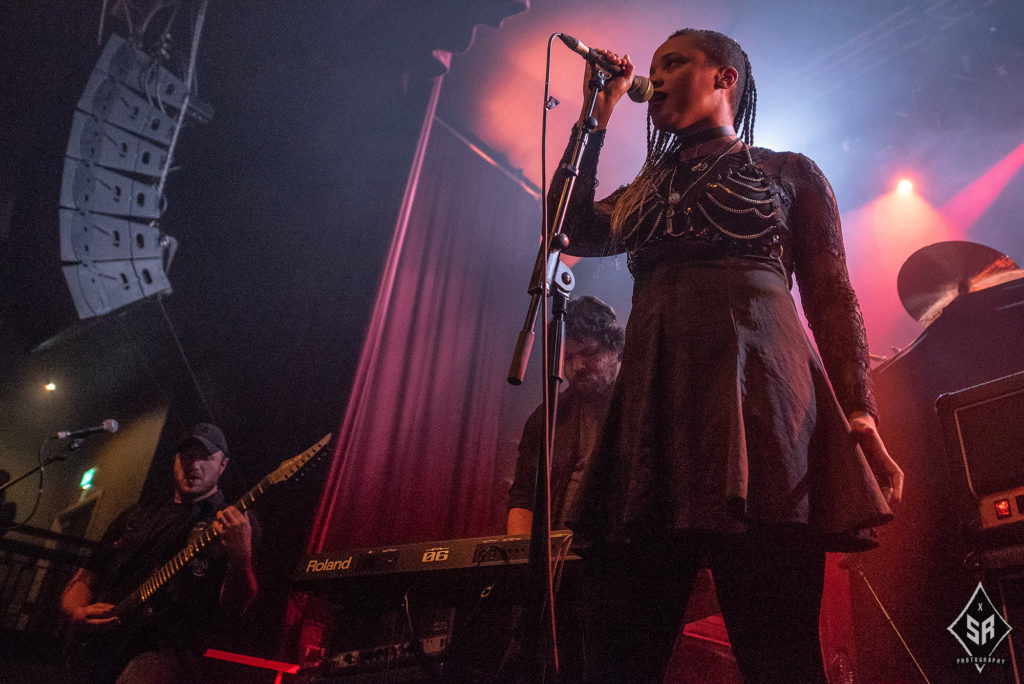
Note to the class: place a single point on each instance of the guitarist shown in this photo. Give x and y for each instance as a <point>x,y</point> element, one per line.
<point>164,645</point>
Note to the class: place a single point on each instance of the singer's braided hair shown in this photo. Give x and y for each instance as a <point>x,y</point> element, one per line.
<point>663,146</point>
<point>724,51</point>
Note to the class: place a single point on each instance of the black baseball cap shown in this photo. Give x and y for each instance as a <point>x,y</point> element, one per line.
<point>208,435</point>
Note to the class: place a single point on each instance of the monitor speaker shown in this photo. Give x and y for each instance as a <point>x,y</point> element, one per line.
<point>983,427</point>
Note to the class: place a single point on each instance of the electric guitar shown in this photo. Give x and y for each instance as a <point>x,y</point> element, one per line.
<point>105,651</point>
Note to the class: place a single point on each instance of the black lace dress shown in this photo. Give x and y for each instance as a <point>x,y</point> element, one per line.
<point>723,414</point>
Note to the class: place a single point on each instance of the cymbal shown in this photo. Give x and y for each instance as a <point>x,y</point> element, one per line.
<point>935,275</point>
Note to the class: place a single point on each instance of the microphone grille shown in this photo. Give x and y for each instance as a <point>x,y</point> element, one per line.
<point>110,425</point>
<point>641,90</point>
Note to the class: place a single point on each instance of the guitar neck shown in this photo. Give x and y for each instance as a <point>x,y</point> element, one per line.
<point>195,544</point>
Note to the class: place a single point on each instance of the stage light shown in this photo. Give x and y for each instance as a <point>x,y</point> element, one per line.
<point>905,187</point>
<point>968,205</point>
<point>50,387</point>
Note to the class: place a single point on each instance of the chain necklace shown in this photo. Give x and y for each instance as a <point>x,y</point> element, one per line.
<point>703,167</point>
<point>664,205</point>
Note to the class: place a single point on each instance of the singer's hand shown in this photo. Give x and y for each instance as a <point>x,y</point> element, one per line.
<point>866,433</point>
<point>614,90</point>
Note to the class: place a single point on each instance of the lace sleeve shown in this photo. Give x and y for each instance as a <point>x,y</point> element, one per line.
<point>829,302</point>
<point>587,224</point>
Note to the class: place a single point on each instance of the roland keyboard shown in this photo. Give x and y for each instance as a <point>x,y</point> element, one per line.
<point>425,558</point>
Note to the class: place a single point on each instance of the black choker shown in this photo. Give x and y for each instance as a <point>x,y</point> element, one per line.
<point>705,135</point>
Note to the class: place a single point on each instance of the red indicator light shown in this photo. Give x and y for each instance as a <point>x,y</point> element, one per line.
<point>1003,508</point>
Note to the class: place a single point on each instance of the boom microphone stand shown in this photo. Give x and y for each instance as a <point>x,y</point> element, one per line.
<point>550,276</point>
<point>74,444</point>
<point>43,462</point>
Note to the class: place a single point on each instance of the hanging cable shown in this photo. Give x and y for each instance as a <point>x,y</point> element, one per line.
<point>549,426</point>
<point>184,358</point>
<point>103,18</point>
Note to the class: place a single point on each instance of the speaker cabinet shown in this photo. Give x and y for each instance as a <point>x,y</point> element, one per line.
<point>983,428</point>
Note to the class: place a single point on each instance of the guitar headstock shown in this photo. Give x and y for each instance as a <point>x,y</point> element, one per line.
<point>292,465</point>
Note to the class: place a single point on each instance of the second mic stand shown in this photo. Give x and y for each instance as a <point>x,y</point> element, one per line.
<point>43,462</point>
<point>550,276</point>
<point>40,468</point>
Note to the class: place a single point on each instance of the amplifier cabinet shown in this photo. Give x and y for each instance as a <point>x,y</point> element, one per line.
<point>983,428</point>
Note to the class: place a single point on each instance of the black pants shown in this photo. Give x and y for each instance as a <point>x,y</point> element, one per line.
<point>769,583</point>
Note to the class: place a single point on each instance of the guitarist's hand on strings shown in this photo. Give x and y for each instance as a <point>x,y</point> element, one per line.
<point>240,583</point>
<point>235,533</point>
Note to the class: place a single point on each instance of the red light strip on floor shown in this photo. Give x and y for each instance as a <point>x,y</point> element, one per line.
<point>276,665</point>
<point>702,637</point>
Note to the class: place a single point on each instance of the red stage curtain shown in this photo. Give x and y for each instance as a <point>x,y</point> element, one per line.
<point>418,450</point>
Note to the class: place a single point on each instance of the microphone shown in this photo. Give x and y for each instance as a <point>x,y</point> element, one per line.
<point>640,90</point>
<point>109,425</point>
